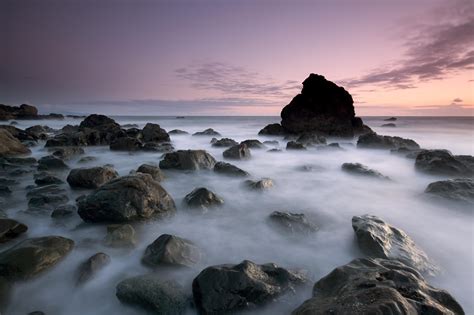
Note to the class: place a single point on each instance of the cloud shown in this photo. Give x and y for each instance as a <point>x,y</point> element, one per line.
<point>434,50</point>
<point>235,81</point>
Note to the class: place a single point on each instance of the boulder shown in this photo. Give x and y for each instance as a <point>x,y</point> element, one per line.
<point>253,144</point>
<point>207,132</point>
<point>99,122</point>
<point>323,108</point>
<point>153,294</point>
<point>202,198</point>
<point>38,131</point>
<point>311,138</point>
<point>293,145</point>
<point>154,133</point>
<point>292,223</point>
<point>237,152</point>
<point>178,132</point>
<point>262,184</point>
<point>372,140</point>
<point>158,147</point>
<point>120,236</point>
<point>33,256</point>
<point>10,146</point>
<point>51,162</point>
<point>91,178</point>
<point>442,162</point>
<point>67,153</point>
<point>229,169</point>
<point>377,286</point>
<point>126,144</point>
<point>378,239</point>
<point>129,126</point>
<point>89,268</point>
<point>152,170</point>
<point>459,189</point>
<point>224,142</point>
<point>170,250</point>
<point>45,178</point>
<point>229,289</point>
<point>10,229</point>
<point>45,197</point>
<point>273,130</point>
<point>127,198</point>
<point>188,160</point>
<point>362,170</point>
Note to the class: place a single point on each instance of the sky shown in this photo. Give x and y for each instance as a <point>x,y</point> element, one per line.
<point>235,57</point>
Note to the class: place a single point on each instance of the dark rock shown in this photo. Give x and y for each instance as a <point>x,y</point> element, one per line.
<point>10,229</point>
<point>153,294</point>
<point>36,313</point>
<point>20,134</point>
<point>63,211</point>
<point>202,198</point>
<point>33,256</point>
<point>274,150</point>
<point>5,190</point>
<point>47,196</point>
<point>92,177</point>
<point>38,131</point>
<point>391,119</point>
<point>237,152</point>
<point>154,133</point>
<point>253,144</point>
<point>67,153</point>
<point>126,144</point>
<point>10,146</point>
<point>264,183</point>
<point>390,125</point>
<point>45,178</point>
<point>378,239</point>
<point>374,141</point>
<point>292,223</point>
<point>442,162</point>
<point>188,160</point>
<point>293,145</point>
<point>158,147</point>
<point>69,129</point>
<point>207,132</point>
<point>99,122</point>
<point>120,236</point>
<point>360,169</point>
<point>152,170</point>
<point>272,143</point>
<point>224,142</point>
<point>127,198</point>
<point>51,162</point>
<point>311,138</point>
<point>171,250</point>
<point>377,286</point>
<point>87,159</point>
<point>227,289</point>
<point>408,153</point>
<point>459,189</point>
<point>178,132</point>
<point>229,169</point>
<point>23,111</point>
<point>89,268</point>
<point>134,133</point>
<point>273,130</point>
<point>5,293</point>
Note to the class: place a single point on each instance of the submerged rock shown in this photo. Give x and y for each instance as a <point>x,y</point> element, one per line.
<point>202,198</point>
<point>374,141</point>
<point>377,286</point>
<point>224,142</point>
<point>293,145</point>
<point>153,294</point>
<point>178,132</point>
<point>92,177</point>
<point>292,223</point>
<point>442,162</point>
<point>262,184</point>
<point>10,229</point>
<point>152,170</point>
<point>10,146</point>
<point>125,199</point>
<point>45,178</point>
<point>47,196</point>
<point>63,211</point>
<point>207,132</point>
<point>229,169</point>
<point>89,268</point>
<point>120,235</point>
<point>67,153</point>
<point>253,144</point>
<point>360,169</point>
<point>391,125</point>
<point>391,119</point>
<point>33,256</point>
<point>378,239</point>
<point>188,160</point>
<point>227,289</point>
<point>50,162</point>
<point>459,189</point>
<point>273,130</point>
<point>237,152</point>
<point>311,138</point>
<point>170,250</point>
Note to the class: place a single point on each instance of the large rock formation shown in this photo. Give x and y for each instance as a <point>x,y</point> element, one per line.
<point>9,145</point>
<point>23,111</point>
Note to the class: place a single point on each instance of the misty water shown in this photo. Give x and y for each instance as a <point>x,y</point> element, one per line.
<point>238,230</point>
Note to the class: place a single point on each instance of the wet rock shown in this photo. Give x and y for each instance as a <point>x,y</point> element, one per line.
<point>153,294</point>
<point>120,236</point>
<point>164,147</point>
<point>253,144</point>
<point>45,178</point>
<point>129,126</point>
<point>207,132</point>
<point>262,184</point>
<point>47,196</point>
<point>459,189</point>
<point>202,198</point>
<point>374,141</point>
<point>33,256</point>
<point>154,133</point>
<point>362,170</point>
<point>152,170</point>
<point>188,160</point>
<point>224,142</point>
<point>89,268</point>
<point>378,239</point>
<point>229,169</point>
<point>92,177</point>
<point>67,153</point>
<point>99,122</point>
<point>293,145</point>
<point>10,229</point>
<point>311,138</point>
<point>63,211</point>
<point>87,159</point>
<point>69,129</point>
<point>178,132</point>
<point>127,198</point>
<point>292,223</point>
<point>272,130</point>
<point>227,289</point>
<point>8,181</point>
<point>51,162</point>
<point>237,152</point>
<point>126,144</point>
<point>391,119</point>
<point>171,250</point>
<point>442,162</point>
<point>390,125</point>
<point>10,146</point>
<point>377,286</point>
<point>38,131</point>
<point>23,111</point>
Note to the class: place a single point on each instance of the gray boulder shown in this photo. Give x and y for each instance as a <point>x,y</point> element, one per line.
<point>152,170</point>
<point>229,169</point>
<point>253,144</point>
<point>372,140</point>
<point>202,198</point>
<point>362,170</point>
<point>459,189</point>
<point>292,223</point>
<point>442,162</point>
<point>237,152</point>
<point>262,184</point>
<point>89,268</point>
<point>311,138</point>
<point>170,250</point>
<point>188,160</point>
<point>10,146</point>
<point>50,162</point>
<point>66,153</point>
<point>92,177</point>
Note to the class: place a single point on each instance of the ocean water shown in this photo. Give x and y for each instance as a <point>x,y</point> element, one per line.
<point>238,230</point>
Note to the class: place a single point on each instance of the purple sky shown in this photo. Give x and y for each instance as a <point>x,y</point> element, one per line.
<point>235,57</point>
